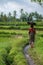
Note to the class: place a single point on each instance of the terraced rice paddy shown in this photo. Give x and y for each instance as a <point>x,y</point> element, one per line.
<point>13,37</point>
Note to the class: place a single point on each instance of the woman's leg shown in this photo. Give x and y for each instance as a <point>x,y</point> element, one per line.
<point>32,44</point>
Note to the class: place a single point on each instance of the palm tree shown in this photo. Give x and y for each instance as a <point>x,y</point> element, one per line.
<point>9,16</point>
<point>1,16</point>
<point>5,17</point>
<point>14,14</point>
<point>21,11</point>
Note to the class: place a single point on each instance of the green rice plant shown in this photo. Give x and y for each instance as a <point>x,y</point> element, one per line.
<point>37,52</point>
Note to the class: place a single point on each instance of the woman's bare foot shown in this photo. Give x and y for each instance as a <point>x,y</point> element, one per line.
<point>32,45</point>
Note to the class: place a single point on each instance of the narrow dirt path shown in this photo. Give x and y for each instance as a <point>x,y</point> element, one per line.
<point>28,58</point>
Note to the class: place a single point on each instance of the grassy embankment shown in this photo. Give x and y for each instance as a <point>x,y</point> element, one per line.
<point>37,52</point>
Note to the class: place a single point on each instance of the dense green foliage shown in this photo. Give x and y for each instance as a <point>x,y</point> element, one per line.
<point>24,16</point>
<point>11,50</point>
<point>37,52</point>
<point>19,25</point>
<point>13,40</point>
<point>40,2</point>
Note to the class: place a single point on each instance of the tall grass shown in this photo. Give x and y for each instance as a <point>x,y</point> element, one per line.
<point>37,52</point>
<point>11,50</point>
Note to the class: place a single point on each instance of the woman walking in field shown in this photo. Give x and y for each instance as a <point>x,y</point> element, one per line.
<point>32,36</point>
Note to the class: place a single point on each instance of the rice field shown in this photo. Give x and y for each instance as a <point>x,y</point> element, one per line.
<point>12,41</point>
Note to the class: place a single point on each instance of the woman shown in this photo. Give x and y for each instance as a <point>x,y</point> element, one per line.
<point>32,36</point>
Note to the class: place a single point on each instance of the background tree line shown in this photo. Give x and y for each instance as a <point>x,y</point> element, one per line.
<point>23,17</point>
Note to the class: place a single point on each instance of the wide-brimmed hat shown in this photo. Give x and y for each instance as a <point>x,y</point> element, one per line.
<point>31,23</point>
